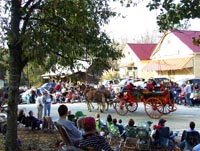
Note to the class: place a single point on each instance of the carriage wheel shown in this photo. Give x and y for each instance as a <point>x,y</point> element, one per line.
<point>120,107</point>
<point>153,107</point>
<point>166,109</point>
<point>132,106</point>
<point>169,107</point>
<point>172,107</point>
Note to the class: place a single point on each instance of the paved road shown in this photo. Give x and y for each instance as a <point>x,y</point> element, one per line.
<point>177,121</point>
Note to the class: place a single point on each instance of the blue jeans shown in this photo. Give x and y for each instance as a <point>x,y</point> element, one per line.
<point>187,99</point>
<point>47,108</point>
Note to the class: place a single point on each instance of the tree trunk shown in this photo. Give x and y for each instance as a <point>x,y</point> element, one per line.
<point>15,68</point>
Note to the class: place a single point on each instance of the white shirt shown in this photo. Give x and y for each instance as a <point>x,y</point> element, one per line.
<point>39,100</point>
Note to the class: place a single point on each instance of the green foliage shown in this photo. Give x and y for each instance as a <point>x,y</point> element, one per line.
<point>63,32</point>
<point>110,74</point>
<point>196,41</point>
<point>47,33</point>
<point>3,60</point>
<point>175,14</point>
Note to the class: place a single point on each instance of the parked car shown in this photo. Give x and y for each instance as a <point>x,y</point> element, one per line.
<point>158,80</point>
<point>118,88</point>
<point>114,82</point>
<point>192,81</point>
<point>26,97</point>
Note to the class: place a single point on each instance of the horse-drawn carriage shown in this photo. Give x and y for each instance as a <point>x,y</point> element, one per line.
<point>155,103</point>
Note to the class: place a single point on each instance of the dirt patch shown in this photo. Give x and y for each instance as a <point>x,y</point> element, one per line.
<point>39,140</point>
<point>36,140</point>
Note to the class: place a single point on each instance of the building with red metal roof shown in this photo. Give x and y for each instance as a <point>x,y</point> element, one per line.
<point>136,56</point>
<point>176,56</point>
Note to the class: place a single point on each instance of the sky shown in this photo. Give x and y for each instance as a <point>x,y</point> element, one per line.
<point>138,23</point>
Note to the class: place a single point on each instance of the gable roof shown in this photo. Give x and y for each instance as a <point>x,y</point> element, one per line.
<point>143,51</point>
<point>186,36</point>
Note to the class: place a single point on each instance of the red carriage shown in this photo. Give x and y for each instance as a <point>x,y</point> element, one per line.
<point>155,103</point>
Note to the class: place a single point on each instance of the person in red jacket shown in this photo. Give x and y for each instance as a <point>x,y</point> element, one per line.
<point>129,86</point>
<point>162,86</point>
<point>150,85</point>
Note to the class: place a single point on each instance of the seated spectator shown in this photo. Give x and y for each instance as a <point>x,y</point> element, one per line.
<point>79,115</point>
<point>71,117</point>
<point>120,121</point>
<point>33,121</point>
<point>120,128</point>
<point>161,134</point>
<point>79,123</point>
<point>108,121</point>
<point>91,137</point>
<point>146,125</point>
<point>184,135</point>
<point>70,127</point>
<point>100,126</point>
<point>21,118</point>
<point>130,128</point>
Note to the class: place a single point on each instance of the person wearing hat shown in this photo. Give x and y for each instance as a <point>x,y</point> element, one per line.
<point>158,131</point>
<point>79,114</point>
<point>70,127</point>
<point>91,137</point>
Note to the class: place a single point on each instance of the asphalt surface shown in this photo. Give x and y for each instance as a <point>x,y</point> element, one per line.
<point>177,121</point>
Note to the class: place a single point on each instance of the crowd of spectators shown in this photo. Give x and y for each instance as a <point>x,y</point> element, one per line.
<point>87,131</point>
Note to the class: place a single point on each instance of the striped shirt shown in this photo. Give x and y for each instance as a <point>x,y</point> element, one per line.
<point>95,141</point>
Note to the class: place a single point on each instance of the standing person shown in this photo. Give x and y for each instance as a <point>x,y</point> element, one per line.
<point>47,103</point>
<point>188,91</point>
<point>70,127</point>
<point>39,104</point>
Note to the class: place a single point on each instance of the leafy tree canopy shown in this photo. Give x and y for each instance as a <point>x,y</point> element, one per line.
<point>50,32</point>
<point>62,31</point>
<point>175,14</point>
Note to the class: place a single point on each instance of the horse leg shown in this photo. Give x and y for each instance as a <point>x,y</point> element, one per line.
<point>107,103</point>
<point>103,103</point>
<point>98,106</point>
<point>88,105</point>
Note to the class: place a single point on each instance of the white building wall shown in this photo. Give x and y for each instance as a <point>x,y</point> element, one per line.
<point>172,47</point>
<point>129,58</point>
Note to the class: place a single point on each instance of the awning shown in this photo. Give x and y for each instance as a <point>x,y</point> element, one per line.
<point>169,64</point>
<point>126,64</point>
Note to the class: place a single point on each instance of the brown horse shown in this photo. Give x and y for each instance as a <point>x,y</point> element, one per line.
<point>99,96</point>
